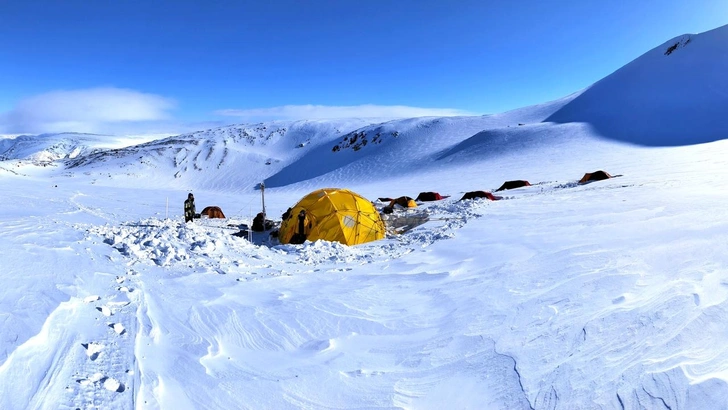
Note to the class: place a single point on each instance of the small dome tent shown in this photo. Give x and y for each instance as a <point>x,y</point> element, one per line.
<point>213,212</point>
<point>401,202</point>
<point>404,202</point>
<point>513,184</point>
<point>332,214</point>
<point>595,176</point>
<point>480,194</point>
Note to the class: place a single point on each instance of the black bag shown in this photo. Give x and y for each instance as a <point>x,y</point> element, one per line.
<point>259,222</point>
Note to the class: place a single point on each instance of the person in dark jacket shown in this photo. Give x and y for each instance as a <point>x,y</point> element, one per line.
<point>189,208</point>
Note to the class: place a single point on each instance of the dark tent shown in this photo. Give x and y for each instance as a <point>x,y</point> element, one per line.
<point>385,199</point>
<point>594,176</point>
<point>429,196</point>
<point>480,194</point>
<point>213,212</point>
<point>513,184</point>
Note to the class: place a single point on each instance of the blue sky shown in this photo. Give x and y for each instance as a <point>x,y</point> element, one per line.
<point>149,66</point>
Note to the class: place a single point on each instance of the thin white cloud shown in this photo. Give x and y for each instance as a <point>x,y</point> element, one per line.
<point>294,112</point>
<point>86,110</point>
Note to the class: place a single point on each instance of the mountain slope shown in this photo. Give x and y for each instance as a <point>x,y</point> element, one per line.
<point>235,157</point>
<point>406,146</point>
<point>239,157</point>
<point>675,94</point>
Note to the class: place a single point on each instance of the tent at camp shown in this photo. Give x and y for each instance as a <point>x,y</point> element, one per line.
<point>429,196</point>
<point>513,184</point>
<point>480,194</point>
<point>404,202</point>
<point>213,212</point>
<point>332,214</point>
<point>594,176</point>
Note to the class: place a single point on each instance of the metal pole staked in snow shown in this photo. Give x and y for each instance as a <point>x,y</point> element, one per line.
<point>250,228</point>
<point>262,194</point>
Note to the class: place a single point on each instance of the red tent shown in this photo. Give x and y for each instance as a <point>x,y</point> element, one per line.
<point>429,196</point>
<point>480,194</point>
<point>513,184</point>
<point>595,176</point>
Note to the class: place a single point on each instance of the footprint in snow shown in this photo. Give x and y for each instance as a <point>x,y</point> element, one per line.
<point>118,328</point>
<point>125,289</point>
<point>618,300</point>
<point>112,384</point>
<point>104,310</point>
<point>91,380</point>
<point>93,350</point>
<point>120,279</point>
<point>92,298</point>
<point>109,383</point>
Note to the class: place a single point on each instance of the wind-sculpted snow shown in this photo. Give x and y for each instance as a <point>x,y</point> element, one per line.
<point>559,295</point>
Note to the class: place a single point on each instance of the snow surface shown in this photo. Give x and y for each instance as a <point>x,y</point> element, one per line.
<point>612,294</point>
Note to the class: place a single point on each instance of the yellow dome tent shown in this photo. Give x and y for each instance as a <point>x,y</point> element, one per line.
<point>332,214</point>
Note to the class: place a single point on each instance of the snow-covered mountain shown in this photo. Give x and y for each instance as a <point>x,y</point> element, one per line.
<point>46,148</point>
<point>674,94</point>
<point>281,153</point>
<point>234,157</point>
<point>610,294</point>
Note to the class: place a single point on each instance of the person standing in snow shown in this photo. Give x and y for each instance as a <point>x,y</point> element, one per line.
<point>189,208</point>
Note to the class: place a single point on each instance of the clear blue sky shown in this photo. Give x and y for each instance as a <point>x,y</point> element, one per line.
<point>201,57</point>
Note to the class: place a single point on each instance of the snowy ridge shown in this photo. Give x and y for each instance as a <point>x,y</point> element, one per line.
<point>47,148</point>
